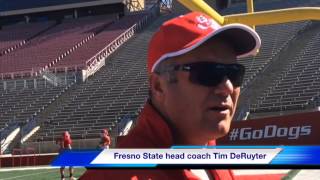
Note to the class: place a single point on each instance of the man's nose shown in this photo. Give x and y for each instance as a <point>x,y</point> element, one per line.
<point>225,87</point>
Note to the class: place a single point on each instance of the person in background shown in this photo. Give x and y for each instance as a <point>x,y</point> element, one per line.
<point>65,142</point>
<point>105,140</point>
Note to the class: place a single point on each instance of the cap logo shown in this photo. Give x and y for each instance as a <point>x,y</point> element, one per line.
<point>205,23</point>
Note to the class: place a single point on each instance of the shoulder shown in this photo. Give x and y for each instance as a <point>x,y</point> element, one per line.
<point>132,173</point>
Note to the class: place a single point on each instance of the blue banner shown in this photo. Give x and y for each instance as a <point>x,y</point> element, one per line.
<point>194,156</point>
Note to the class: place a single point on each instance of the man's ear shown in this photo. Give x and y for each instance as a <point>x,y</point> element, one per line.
<point>157,86</point>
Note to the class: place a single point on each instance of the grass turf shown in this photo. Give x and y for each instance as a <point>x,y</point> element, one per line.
<point>42,174</point>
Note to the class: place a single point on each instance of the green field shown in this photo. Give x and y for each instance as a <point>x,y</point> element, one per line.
<point>40,174</point>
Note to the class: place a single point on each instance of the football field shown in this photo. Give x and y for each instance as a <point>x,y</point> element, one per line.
<point>38,174</point>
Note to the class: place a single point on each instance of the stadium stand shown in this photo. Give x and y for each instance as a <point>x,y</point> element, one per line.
<point>13,36</point>
<point>298,85</point>
<point>54,44</point>
<point>274,43</point>
<point>118,89</point>
<point>101,40</point>
<point>21,102</point>
<point>30,93</point>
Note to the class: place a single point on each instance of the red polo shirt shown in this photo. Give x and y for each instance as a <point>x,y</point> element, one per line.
<point>67,142</point>
<point>151,131</point>
<point>105,140</point>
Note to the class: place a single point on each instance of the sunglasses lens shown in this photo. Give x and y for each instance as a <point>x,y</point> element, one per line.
<point>205,75</point>
<point>236,74</point>
<point>212,74</point>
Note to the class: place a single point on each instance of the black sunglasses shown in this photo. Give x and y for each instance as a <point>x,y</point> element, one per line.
<point>212,74</point>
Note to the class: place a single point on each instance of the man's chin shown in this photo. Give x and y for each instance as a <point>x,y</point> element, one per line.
<point>222,130</point>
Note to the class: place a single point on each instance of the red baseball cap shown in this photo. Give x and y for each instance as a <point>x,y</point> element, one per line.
<point>186,32</point>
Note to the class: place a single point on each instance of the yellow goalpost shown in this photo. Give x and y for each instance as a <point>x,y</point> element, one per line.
<point>256,18</point>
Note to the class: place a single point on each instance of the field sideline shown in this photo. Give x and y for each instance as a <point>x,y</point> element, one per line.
<point>37,173</point>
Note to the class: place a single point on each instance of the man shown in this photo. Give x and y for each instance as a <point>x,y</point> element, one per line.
<point>65,143</point>
<point>194,89</point>
<point>105,140</point>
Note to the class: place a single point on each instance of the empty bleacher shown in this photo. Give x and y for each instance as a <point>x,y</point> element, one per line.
<point>24,98</point>
<point>13,36</point>
<point>69,44</point>
<point>272,44</point>
<point>298,85</point>
<point>54,44</point>
<point>118,89</point>
<point>97,43</point>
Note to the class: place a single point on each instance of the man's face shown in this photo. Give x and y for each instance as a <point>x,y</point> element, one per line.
<point>199,113</point>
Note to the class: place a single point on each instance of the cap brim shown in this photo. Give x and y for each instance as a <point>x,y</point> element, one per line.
<point>245,41</point>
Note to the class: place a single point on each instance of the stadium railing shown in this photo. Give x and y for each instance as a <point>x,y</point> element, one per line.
<point>98,60</point>
<point>20,74</point>
<point>4,134</point>
<point>28,129</point>
<point>52,78</point>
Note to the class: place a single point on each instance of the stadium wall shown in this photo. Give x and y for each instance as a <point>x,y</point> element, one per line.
<point>26,160</point>
<point>52,147</point>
